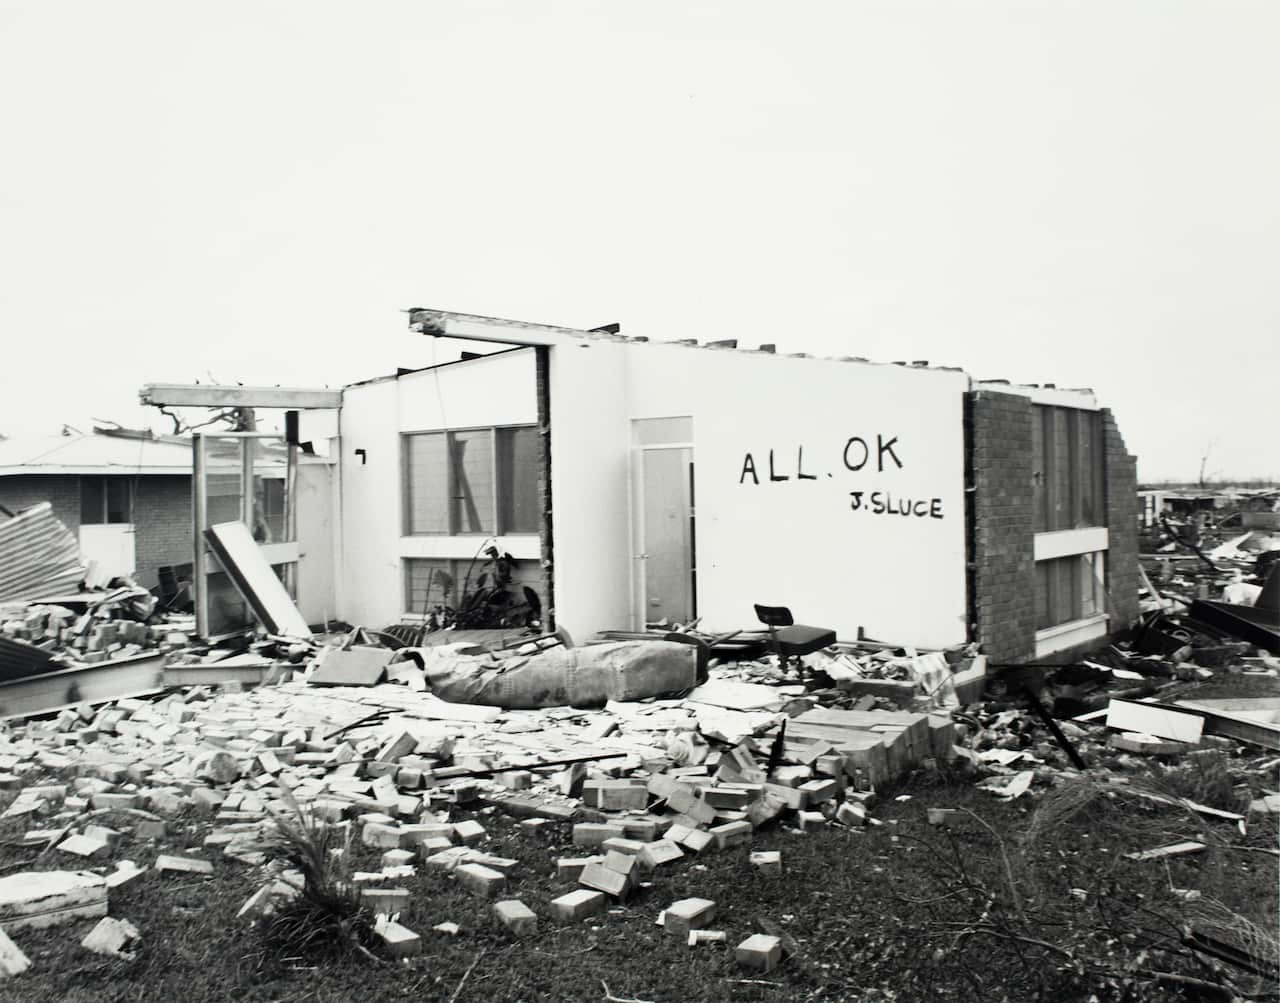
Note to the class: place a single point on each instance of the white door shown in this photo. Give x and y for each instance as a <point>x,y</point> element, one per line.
<point>110,546</point>
<point>663,534</point>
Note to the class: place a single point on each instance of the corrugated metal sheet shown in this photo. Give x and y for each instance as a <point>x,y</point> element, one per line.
<point>18,659</point>
<point>39,556</point>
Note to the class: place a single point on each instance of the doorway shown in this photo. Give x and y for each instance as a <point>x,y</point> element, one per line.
<point>664,583</point>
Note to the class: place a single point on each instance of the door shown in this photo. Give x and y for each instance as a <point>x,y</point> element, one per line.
<point>663,524</point>
<point>110,546</point>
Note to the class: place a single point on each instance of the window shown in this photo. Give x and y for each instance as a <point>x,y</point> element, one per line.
<point>479,481</point>
<point>106,500</point>
<point>1069,588</point>
<point>1067,463</point>
<point>431,581</point>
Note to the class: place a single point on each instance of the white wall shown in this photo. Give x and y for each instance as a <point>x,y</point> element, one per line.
<point>496,390</point>
<point>787,542</point>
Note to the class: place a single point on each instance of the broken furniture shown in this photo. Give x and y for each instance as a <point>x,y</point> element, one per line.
<point>788,638</point>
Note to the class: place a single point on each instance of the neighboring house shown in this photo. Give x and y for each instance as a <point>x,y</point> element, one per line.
<point>126,495</point>
<point>640,481</point>
<point>635,482</point>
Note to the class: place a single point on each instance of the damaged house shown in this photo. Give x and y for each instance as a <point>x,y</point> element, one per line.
<point>635,482</point>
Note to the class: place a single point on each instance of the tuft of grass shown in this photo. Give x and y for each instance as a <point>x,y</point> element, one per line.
<point>327,918</point>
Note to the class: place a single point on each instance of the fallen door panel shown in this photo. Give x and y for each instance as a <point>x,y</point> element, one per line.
<point>254,579</point>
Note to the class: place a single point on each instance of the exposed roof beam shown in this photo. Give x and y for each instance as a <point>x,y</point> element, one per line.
<point>201,395</point>
<point>474,327</point>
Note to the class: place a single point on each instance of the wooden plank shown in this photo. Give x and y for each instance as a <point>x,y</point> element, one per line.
<point>1155,720</point>
<point>1172,850</point>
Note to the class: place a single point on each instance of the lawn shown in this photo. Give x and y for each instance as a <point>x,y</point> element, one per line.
<point>1030,899</point>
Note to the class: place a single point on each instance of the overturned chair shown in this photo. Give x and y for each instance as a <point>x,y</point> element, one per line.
<point>789,639</point>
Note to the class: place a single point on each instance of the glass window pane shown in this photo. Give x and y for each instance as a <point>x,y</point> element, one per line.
<point>119,495</point>
<point>518,480</point>
<point>92,500</point>
<point>1060,475</point>
<point>1044,601</point>
<point>428,582</point>
<point>427,477</point>
<point>473,487</point>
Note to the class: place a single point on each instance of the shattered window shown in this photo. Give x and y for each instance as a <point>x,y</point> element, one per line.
<point>1066,457</point>
<point>1069,588</point>
<point>473,487</point>
<point>518,480</point>
<point>474,482</point>
<point>427,472</point>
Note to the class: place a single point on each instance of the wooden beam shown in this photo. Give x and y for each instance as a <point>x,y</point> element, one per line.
<point>200,395</point>
<point>474,327</point>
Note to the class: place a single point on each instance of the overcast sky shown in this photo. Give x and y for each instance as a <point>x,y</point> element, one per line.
<point>1080,193</point>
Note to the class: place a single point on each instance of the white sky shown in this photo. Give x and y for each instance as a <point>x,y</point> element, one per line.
<point>1080,193</point>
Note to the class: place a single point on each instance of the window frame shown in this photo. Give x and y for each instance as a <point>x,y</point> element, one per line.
<point>1079,434</point>
<point>494,507</point>
<point>104,483</point>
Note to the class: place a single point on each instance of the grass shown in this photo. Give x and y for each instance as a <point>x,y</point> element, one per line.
<point>1028,900</point>
<point>868,912</point>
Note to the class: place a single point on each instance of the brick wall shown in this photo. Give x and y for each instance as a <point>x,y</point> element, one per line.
<point>546,535</point>
<point>1122,526</point>
<point>1002,531</point>
<point>63,490</point>
<point>162,517</point>
<point>161,513</point>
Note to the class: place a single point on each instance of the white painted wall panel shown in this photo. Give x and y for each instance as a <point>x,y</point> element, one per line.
<point>497,390</point>
<point>793,541</point>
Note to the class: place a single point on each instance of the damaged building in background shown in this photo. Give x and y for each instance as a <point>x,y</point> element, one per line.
<point>633,483</point>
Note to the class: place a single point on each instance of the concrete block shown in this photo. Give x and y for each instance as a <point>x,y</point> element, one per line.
<point>85,846</point>
<point>760,953</point>
<point>621,844</point>
<point>398,941</point>
<point>730,834</point>
<point>578,905</point>
<point>480,880</point>
<point>516,916</point>
<point>819,790</point>
<point>688,914</point>
<point>12,960</point>
<point>595,833</point>
<point>468,833</point>
<point>655,854</point>
<point>605,879</point>
<point>571,867</point>
<point>112,936</point>
<point>174,864</point>
<point>767,861</point>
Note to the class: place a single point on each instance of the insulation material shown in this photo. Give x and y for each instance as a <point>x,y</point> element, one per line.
<point>39,556</point>
<point>578,677</point>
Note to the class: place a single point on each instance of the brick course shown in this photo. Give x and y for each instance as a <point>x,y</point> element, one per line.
<point>1001,527</point>
<point>162,515</point>
<point>546,535</point>
<point>1122,526</point>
